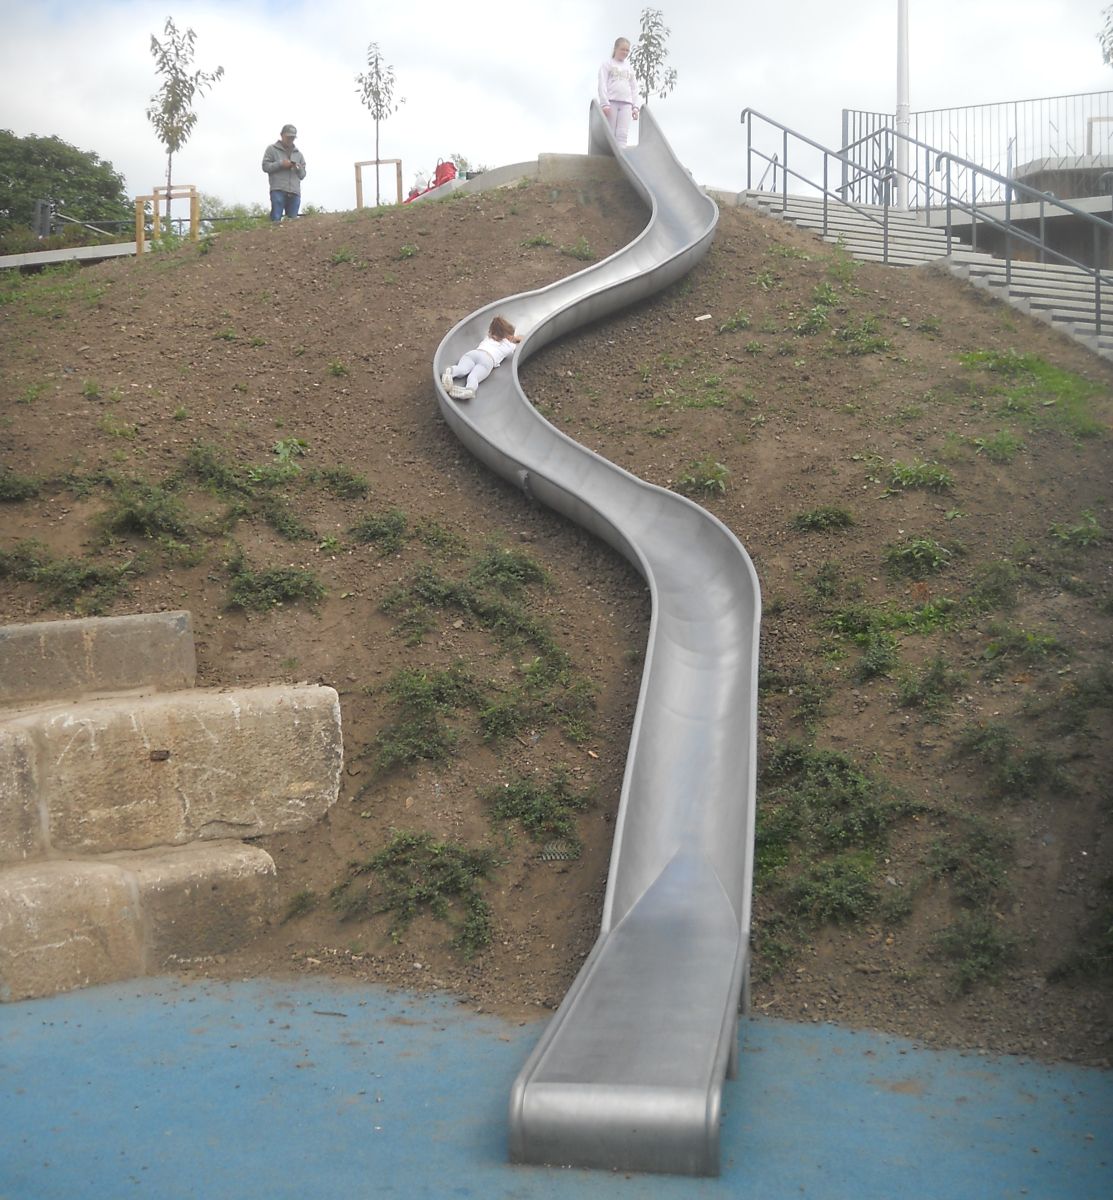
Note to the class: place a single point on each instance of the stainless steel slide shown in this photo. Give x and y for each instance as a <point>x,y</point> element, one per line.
<point>628,1074</point>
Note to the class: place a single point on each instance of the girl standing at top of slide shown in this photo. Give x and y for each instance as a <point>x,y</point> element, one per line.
<point>618,91</point>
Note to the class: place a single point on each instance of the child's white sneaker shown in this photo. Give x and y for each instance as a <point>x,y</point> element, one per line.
<point>446,379</point>
<point>463,393</point>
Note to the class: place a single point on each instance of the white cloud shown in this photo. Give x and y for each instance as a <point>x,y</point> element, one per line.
<point>501,87</point>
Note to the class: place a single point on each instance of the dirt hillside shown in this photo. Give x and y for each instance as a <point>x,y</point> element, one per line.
<point>246,429</point>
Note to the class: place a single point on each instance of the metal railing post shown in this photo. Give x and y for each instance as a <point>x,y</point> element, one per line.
<point>974,215</point>
<point>784,169</point>
<point>749,150</point>
<point>825,161</point>
<point>842,155</point>
<point>1008,237</point>
<point>927,187</point>
<point>885,227</point>
<point>1097,280</point>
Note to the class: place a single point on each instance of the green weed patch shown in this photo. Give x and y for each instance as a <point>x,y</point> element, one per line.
<point>1038,394</point>
<point>414,875</point>
<point>545,809</point>
<point>260,591</point>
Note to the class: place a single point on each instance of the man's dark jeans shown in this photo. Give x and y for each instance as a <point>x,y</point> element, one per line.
<point>284,204</point>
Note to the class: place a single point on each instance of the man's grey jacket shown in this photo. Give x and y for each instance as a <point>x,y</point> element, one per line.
<point>284,179</point>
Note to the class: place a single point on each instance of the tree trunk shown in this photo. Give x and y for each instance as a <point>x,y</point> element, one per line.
<point>169,169</point>
<point>377,164</point>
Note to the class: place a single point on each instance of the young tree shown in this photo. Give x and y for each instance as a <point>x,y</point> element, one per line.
<point>171,108</point>
<point>649,56</point>
<point>1106,35</point>
<point>85,186</point>
<point>376,91</point>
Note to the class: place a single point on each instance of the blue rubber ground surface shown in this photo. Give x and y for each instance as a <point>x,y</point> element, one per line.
<point>157,1088</point>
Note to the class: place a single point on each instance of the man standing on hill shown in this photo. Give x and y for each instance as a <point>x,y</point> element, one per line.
<point>285,164</point>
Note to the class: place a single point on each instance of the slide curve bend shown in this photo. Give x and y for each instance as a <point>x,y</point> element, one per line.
<point>628,1074</point>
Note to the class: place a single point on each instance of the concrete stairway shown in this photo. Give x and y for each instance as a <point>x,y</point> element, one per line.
<point>1060,295</point>
<point>125,792</point>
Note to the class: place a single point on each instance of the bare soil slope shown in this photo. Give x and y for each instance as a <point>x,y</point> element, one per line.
<point>928,528</point>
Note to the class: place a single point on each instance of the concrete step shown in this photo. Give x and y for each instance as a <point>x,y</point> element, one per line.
<point>849,219</point>
<point>928,248</point>
<point>1051,270</point>
<point>860,216</point>
<point>1026,285</point>
<point>851,222</point>
<point>127,773</point>
<point>873,251</point>
<point>807,214</point>
<point>801,203</point>
<point>1079,327</point>
<point>1068,299</point>
<point>1022,273</point>
<point>1101,346</point>
<point>70,923</point>
<point>1076,309</point>
<point>55,659</point>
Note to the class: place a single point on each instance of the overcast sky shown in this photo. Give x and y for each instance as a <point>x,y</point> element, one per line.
<point>501,86</point>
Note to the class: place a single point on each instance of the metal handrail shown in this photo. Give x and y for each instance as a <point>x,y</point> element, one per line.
<point>752,152</point>
<point>996,134</point>
<point>771,167</point>
<point>1099,226</point>
<point>885,139</point>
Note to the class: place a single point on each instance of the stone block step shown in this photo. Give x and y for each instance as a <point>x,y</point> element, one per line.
<point>128,773</point>
<point>66,659</point>
<point>70,923</point>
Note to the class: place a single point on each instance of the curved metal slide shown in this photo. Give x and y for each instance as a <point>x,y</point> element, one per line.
<point>629,1072</point>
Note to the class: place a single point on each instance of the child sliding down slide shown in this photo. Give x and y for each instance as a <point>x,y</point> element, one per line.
<point>477,364</point>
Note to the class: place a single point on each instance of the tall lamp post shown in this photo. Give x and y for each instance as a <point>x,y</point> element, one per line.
<point>902,104</point>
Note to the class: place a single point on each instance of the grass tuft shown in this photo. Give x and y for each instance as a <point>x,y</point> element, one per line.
<point>823,519</point>
<point>260,591</point>
<point>544,809</point>
<point>414,875</point>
